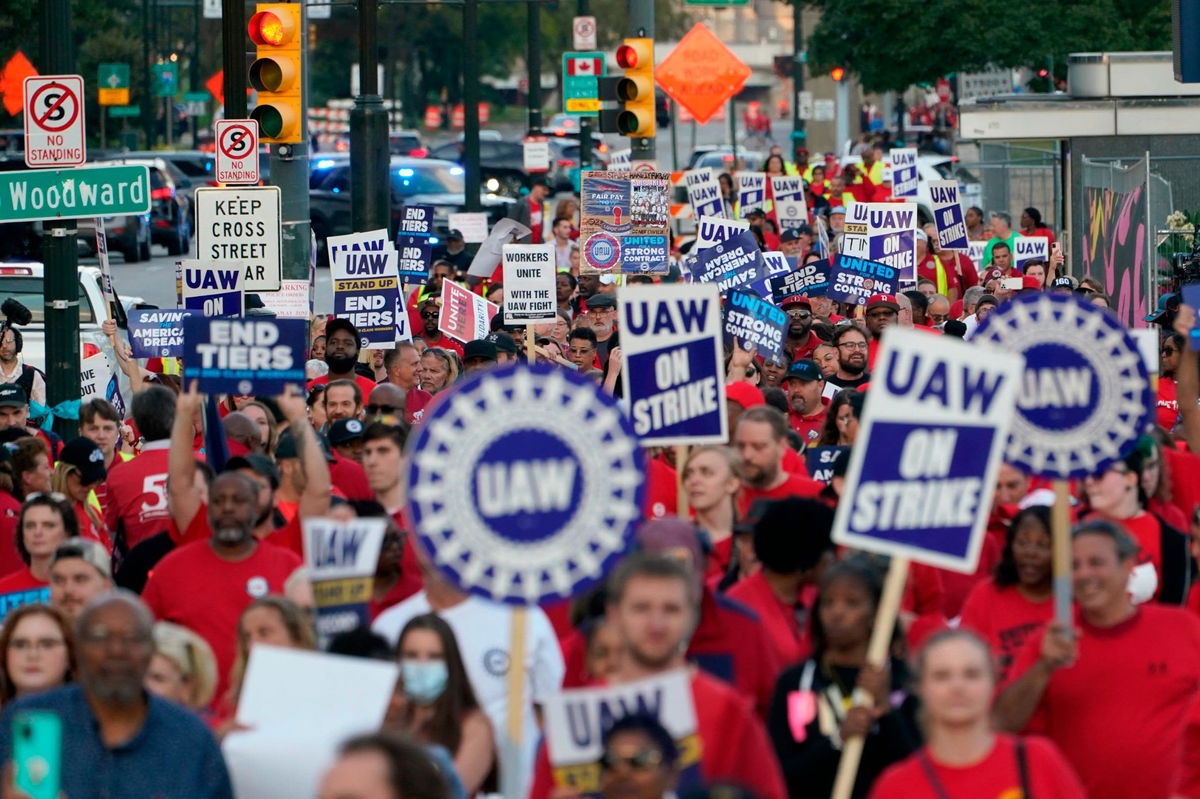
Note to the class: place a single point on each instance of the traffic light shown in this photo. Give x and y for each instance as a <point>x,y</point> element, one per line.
<point>276,71</point>
<point>837,73</point>
<point>635,89</point>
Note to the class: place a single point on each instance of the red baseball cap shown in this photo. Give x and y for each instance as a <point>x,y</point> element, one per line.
<point>1030,282</point>
<point>796,299</point>
<point>744,394</point>
<point>886,300</point>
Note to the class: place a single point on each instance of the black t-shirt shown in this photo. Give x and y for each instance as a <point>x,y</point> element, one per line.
<point>862,379</point>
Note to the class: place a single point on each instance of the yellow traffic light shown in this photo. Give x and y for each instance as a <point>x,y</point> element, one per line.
<point>635,91</point>
<point>276,72</point>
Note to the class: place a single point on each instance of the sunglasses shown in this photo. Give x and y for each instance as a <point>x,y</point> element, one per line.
<point>429,314</point>
<point>641,760</point>
<point>375,410</point>
<point>799,314</point>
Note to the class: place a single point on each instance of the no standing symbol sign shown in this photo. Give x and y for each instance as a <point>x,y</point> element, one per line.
<point>237,151</point>
<point>54,134</point>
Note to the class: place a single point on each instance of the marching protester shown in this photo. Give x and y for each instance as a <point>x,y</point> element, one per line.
<point>38,647</point>
<point>45,523</point>
<point>80,570</point>
<point>183,669</point>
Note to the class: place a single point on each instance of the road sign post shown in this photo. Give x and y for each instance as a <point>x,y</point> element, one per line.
<point>237,151</point>
<point>583,33</point>
<point>242,225</point>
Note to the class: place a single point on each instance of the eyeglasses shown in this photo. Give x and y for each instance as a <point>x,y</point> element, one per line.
<point>641,760</point>
<point>36,645</point>
<point>853,345</point>
<point>375,410</point>
<point>799,314</point>
<point>939,317</point>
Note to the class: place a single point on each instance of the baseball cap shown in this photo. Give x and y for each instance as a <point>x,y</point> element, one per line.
<point>804,369</point>
<point>922,235</point>
<point>601,301</point>
<point>454,233</point>
<point>987,298</point>
<point>336,324</point>
<point>286,446</point>
<point>1065,282</point>
<point>90,552</point>
<point>259,464</point>
<point>886,300</point>
<point>504,343</point>
<point>841,209</point>
<point>791,234</point>
<point>1030,282</point>
<point>12,396</point>
<point>796,299</point>
<point>86,457</point>
<point>744,394</point>
<point>344,430</point>
<point>1167,305</point>
<point>479,348</point>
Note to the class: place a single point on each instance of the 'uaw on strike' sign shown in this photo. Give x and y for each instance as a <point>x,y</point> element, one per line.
<point>673,376</point>
<point>921,477</point>
<point>525,484</point>
<point>1085,396</point>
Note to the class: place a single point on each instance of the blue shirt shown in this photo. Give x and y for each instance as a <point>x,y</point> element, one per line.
<point>173,755</point>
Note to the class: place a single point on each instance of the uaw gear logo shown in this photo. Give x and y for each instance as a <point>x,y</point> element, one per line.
<point>602,251</point>
<point>1085,396</point>
<point>525,483</point>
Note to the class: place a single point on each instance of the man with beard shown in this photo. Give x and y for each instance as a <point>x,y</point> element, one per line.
<point>341,354</point>
<point>118,740</point>
<point>205,585</point>
<point>882,310</point>
<point>805,386</point>
<point>80,571</point>
<point>801,340</point>
<point>601,317</point>
<point>431,310</point>
<point>761,441</point>
<point>851,344</point>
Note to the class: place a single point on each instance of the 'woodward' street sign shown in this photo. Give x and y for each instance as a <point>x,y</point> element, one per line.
<point>74,193</point>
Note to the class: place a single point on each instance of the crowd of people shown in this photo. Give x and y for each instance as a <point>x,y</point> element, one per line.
<point>144,557</point>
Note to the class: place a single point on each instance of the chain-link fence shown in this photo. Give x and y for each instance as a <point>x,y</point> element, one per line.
<point>1015,176</point>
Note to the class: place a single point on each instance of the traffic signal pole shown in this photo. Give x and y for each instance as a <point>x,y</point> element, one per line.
<point>473,178</point>
<point>370,187</point>
<point>585,123</point>
<point>799,135</point>
<point>60,281</point>
<point>641,25</point>
<point>289,171</point>
<point>233,57</point>
<point>533,57</point>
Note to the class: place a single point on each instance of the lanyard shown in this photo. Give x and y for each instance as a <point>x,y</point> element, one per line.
<point>936,783</point>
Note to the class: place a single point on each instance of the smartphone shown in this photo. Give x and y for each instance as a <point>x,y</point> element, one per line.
<point>37,754</point>
<point>1013,283</point>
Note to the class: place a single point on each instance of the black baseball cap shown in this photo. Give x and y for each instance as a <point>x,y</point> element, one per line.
<point>454,234</point>
<point>479,348</point>
<point>804,369</point>
<point>601,301</point>
<point>335,324</point>
<point>344,431</point>
<point>259,464</point>
<point>13,396</point>
<point>504,343</point>
<point>86,457</point>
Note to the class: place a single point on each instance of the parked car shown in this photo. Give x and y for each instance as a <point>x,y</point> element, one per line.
<point>170,202</point>
<point>414,181</point>
<point>407,142</point>
<point>501,161</point>
<point>564,163</point>
<point>199,168</point>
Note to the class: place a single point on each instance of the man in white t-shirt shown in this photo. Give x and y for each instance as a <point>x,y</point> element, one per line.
<point>483,630</point>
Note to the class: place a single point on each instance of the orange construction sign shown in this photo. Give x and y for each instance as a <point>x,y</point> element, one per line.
<point>12,82</point>
<point>701,73</point>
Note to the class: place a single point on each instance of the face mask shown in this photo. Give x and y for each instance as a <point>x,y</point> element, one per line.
<point>424,680</point>
<point>340,364</point>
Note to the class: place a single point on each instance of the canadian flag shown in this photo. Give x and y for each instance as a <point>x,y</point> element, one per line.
<point>589,65</point>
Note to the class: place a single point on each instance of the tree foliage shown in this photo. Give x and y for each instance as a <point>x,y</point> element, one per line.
<point>892,44</point>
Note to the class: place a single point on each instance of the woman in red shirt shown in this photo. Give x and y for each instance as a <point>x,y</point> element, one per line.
<point>46,521</point>
<point>963,758</point>
<point>1015,602</point>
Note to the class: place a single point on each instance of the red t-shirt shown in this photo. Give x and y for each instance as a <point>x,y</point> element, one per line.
<point>1120,711</point>
<point>365,384</point>
<point>787,636</point>
<point>1185,479</point>
<point>1167,408</point>
<point>445,342</point>
<point>89,530</point>
<point>137,495</point>
<point>734,747</point>
<point>809,427</point>
<point>662,492</point>
<point>729,643</point>
<point>193,587</point>
<point>953,264</point>
<point>1147,531</point>
<point>794,486</point>
<point>348,477</point>
<point>997,776</point>
<point>21,588</point>
<point>10,559</point>
<point>1005,619</point>
<point>411,580</point>
<point>804,350</point>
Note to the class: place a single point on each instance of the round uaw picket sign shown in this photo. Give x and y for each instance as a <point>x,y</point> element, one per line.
<point>525,483</point>
<point>602,251</point>
<point>1085,397</point>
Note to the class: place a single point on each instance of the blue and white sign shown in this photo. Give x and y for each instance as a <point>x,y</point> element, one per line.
<point>778,265</point>
<point>1085,394</point>
<point>413,243</point>
<point>752,192</point>
<point>712,230</point>
<point>755,322</point>
<point>883,232</point>
<point>730,264</point>
<point>157,333</point>
<point>370,241</point>
<point>856,280</point>
<point>645,254</point>
<point>948,215</point>
<point>810,280</point>
<point>1191,296</point>
<point>416,220</point>
<point>820,461</point>
<point>1030,248</point>
<point>525,483</point>
<point>213,288</point>
<point>244,356</point>
<point>673,375</point>
<point>704,192</point>
<point>791,208</point>
<point>920,480</point>
<point>975,251</point>
<point>904,172</point>
<point>366,291</point>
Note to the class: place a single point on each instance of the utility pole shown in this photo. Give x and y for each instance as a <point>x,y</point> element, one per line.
<point>147,78</point>
<point>799,135</point>
<point>195,70</point>
<point>585,123</point>
<point>533,55</point>
<point>233,57</point>
<point>641,25</point>
<point>370,187</point>
<point>60,278</point>
<point>473,178</point>
<point>289,171</point>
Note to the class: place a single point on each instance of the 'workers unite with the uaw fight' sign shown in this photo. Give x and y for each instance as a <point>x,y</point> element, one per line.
<point>813,503</point>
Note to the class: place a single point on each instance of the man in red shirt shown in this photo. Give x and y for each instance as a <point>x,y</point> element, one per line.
<point>761,441</point>
<point>206,585</point>
<point>801,340</point>
<point>402,364</point>
<point>137,488</point>
<point>383,463</point>
<point>341,354</point>
<point>805,385</point>
<point>428,331</point>
<point>882,310</point>
<point>1117,693</point>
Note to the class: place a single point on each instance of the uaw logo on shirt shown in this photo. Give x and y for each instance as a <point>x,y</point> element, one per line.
<point>1085,397</point>
<point>553,483</point>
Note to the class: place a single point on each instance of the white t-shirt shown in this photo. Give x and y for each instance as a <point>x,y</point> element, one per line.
<point>483,630</point>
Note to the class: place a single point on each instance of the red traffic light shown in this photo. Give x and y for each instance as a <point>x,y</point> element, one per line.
<point>627,57</point>
<point>837,73</point>
<point>271,29</point>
